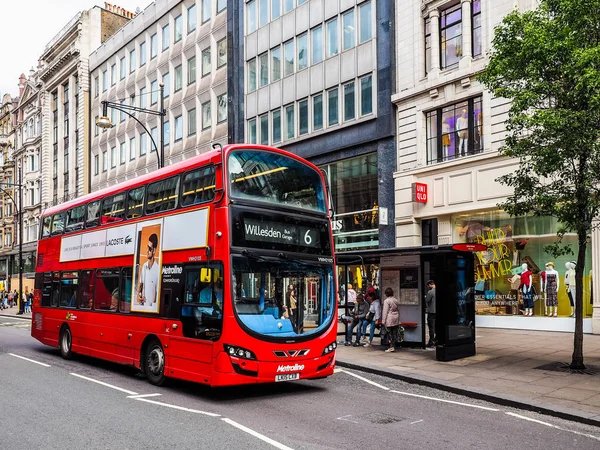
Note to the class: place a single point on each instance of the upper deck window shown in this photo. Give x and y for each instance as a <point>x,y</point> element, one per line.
<point>113,208</point>
<point>75,218</point>
<point>276,179</point>
<point>162,195</point>
<point>135,202</point>
<point>58,223</point>
<point>93,215</point>
<point>198,186</point>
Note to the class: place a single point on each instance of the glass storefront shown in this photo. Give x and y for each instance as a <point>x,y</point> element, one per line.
<point>513,242</point>
<point>354,190</point>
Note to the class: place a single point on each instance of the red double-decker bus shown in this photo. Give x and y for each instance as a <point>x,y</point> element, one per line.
<point>218,270</point>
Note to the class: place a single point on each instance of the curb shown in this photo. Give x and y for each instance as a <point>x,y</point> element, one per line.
<point>498,400</point>
<point>16,316</point>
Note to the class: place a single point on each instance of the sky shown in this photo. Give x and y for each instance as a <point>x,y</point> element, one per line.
<point>28,25</point>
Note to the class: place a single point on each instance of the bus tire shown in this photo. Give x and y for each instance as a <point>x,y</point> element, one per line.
<point>154,362</point>
<point>65,342</point>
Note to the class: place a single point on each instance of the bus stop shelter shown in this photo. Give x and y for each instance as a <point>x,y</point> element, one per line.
<point>406,271</point>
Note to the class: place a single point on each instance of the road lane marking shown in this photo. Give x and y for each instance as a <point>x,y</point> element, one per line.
<point>345,418</point>
<point>445,401</point>
<point>416,421</point>
<point>143,395</point>
<point>30,360</point>
<point>256,434</point>
<point>105,384</point>
<point>337,370</point>
<point>579,433</point>
<point>366,380</point>
<point>180,408</point>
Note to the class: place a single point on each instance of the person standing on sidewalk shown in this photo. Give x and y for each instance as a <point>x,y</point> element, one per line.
<point>430,307</point>
<point>375,316</point>
<point>361,308</point>
<point>390,318</point>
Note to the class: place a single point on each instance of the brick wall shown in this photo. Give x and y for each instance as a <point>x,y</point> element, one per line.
<point>111,22</point>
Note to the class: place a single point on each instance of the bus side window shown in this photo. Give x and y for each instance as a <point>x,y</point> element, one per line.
<point>86,283</point>
<point>93,214</point>
<point>198,186</point>
<point>46,226</point>
<point>135,202</point>
<point>113,209</point>
<point>126,287</point>
<point>55,289</point>
<point>58,223</point>
<point>162,195</point>
<point>75,218</point>
<point>47,289</point>
<point>68,289</point>
<point>106,289</point>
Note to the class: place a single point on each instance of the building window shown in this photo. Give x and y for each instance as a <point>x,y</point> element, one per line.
<point>96,127</point>
<point>366,95</point>
<point>122,152</point>
<point>206,62</point>
<point>365,30</point>
<point>113,115</point>
<point>221,5</point>
<point>263,12</point>
<point>167,83</point>
<point>302,51</point>
<point>451,35</point>
<point>191,18</point>
<point>113,74</point>
<point>191,120</point>
<point>332,107</point>
<point>275,63</point>
<point>288,5</point>
<point>104,80</point>
<point>153,46</point>
<point>427,45</point>
<point>332,38</point>
<point>476,24</point>
<point>178,78</point>
<point>318,112</point>
<point>221,108</point>
<point>252,75</point>
<point>264,129</point>
<point>455,131</point>
<point>288,55</point>
<point>165,37</point>
<point>221,53</point>
<point>132,64</point>
<point>96,86</point>
<point>132,148</point>
<point>251,16</point>
<point>252,131</point>
<point>178,128</point>
<point>275,9</point>
<point>113,157</point>
<point>349,103</point>
<point>96,165</point>
<point>290,131</point>
<point>143,144</point>
<point>122,115</point>
<point>206,116</point>
<point>206,11</point>
<point>122,68</point>
<point>167,133</point>
<point>349,35</point>
<point>263,62</point>
<point>302,117</point>
<point>191,70</point>
<point>143,54</point>
<point>154,136</point>
<point>317,44</point>
<point>276,117</point>
<point>143,99</point>
<point>178,31</point>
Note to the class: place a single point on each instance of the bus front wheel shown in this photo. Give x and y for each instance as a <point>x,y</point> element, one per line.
<point>66,341</point>
<point>155,363</point>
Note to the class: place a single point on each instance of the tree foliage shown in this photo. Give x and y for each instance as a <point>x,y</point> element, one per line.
<point>547,62</point>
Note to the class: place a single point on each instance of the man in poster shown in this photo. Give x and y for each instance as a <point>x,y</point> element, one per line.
<point>148,287</point>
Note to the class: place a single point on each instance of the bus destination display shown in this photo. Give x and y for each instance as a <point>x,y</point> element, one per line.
<point>255,230</point>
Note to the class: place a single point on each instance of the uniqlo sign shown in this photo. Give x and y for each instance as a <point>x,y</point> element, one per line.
<point>419,192</point>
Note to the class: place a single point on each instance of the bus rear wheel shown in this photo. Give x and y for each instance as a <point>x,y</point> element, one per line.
<point>65,342</point>
<point>155,363</point>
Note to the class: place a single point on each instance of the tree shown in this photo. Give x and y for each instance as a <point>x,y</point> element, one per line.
<point>547,62</point>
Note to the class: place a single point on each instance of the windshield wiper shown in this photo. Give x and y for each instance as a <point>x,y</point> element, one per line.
<point>250,255</point>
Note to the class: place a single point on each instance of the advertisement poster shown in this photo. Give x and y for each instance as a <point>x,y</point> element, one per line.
<point>147,265</point>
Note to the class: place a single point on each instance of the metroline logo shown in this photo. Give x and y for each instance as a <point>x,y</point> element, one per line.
<point>289,368</point>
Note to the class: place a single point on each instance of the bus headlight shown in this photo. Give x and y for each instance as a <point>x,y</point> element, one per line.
<point>239,352</point>
<point>329,348</point>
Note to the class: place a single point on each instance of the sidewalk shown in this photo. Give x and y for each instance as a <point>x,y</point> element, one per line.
<point>12,312</point>
<point>503,371</point>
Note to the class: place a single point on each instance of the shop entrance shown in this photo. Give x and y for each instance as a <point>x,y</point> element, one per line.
<point>406,271</point>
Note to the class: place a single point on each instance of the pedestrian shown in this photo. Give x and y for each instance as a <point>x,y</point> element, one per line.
<point>390,318</point>
<point>430,307</point>
<point>374,315</point>
<point>10,299</point>
<point>359,313</point>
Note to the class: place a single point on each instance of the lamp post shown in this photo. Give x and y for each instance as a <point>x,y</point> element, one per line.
<point>19,211</point>
<point>105,122</point>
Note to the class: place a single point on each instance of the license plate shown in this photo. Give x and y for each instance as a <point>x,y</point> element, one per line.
<point>287,377</point>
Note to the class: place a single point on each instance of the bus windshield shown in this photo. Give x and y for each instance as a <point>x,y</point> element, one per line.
<point>282,298</point>
<point>275,178</point>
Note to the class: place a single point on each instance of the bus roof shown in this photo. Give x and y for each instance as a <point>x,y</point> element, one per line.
<point>213,156</point>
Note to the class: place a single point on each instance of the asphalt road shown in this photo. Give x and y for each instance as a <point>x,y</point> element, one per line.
<point>47,402</point>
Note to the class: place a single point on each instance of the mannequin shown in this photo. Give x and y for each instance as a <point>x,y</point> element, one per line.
<point>462,126</point>
<point>515,283</point>
<point>525,288</point>
<point>445,139</point>
<point>543,290</point>
<point>551,286</point>
<point>570,284</point>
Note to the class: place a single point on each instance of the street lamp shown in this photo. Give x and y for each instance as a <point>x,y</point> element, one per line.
<point>105,122</point>
<point>19,211</point>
